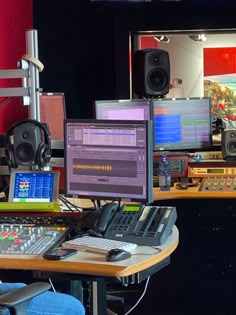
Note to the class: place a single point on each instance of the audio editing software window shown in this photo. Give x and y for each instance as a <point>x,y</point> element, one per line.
<point>109,159</point>
<point>182,124</point>
<point>139,109</point>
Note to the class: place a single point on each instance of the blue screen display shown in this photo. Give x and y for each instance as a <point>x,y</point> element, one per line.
<point>33,187</point>
<point>182,124</point>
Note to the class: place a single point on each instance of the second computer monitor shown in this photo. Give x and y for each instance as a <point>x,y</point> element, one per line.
<point>182,124</point>
<point>109,159</point>
<point>134,109</point>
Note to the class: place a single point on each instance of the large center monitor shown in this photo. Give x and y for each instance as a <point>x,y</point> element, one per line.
<point>109,159</point>
<point>133,109</point>
<point>182,124</point>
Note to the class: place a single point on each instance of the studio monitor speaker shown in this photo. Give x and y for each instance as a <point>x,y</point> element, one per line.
<point>151,72</point>
<point>31,144</point>
<point>228,144</point>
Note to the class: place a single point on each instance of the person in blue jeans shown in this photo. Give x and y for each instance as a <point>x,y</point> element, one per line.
<point>47,303</point>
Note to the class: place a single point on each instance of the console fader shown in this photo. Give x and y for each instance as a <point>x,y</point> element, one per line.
<point>29,239</point>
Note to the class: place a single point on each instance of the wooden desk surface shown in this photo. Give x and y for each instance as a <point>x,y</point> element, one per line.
<point>95,264</point>
<point>191,193</point>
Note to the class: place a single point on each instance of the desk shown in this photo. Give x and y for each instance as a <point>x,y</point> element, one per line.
<point>191,193</point>
<point>144,262</point>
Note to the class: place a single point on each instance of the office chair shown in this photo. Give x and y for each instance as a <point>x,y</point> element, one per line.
<point>17,301</point>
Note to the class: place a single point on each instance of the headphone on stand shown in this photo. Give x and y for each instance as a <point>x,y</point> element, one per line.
<point>31,144</point>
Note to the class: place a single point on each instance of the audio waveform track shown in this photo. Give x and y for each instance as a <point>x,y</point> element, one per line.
<point>105,168</point>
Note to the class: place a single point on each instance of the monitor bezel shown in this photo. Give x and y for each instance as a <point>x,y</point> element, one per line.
<point>181,148</point>
<point>149,160</point>
<point>122,102</point>
<point>56,181</point>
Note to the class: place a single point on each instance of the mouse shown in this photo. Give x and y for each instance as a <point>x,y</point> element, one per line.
<point>117,254</point>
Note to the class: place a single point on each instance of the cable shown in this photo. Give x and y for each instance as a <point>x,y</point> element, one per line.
<point>53,288</point>
<point>139,300</point>
<point>158,250</point>
<point>66,202</point>
<point>69,204</point>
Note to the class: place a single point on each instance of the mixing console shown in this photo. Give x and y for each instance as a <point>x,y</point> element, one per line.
<point>218,184</point>
<point>28,239</point>
<point>38,219</point>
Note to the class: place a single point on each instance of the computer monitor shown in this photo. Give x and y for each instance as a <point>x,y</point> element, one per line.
<point>52,112</point>
<point>182,124</point>
<point>134,109</point>
<point>109,160</point>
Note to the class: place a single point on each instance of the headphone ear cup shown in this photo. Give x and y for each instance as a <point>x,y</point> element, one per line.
<point>40,155</point>
<point>10,156</point>
<point>47,154</point>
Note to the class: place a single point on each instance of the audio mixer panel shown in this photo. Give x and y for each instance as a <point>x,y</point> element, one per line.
<point>28,239</point>
<point>218,184</point>
<point>38,219</point>
<point>209,169</point>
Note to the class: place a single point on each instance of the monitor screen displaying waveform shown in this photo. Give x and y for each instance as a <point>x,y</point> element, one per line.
<point>109,159</point>
<point>133,109</point>
<point>34,186</point>
<point>182,123</point>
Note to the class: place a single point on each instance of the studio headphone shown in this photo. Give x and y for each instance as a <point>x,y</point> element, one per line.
<point>31,144</point>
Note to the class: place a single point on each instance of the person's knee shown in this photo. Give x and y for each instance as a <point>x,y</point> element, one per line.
<point>71,304</point>
<point>56,303</point>
<point>7,286</point>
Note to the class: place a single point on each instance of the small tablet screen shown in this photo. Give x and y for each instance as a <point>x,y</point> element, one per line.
<point>34,186</point>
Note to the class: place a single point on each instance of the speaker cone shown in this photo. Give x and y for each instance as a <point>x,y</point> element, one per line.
<point>232,146</point>
<point>25,152</point>
<point>157,79</point>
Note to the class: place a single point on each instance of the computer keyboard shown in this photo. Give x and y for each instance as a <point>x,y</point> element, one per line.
<point>97,245</point>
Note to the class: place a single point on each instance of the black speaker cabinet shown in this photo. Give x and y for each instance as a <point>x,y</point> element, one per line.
<point>151,72</point>
<point>27,138</point>
<point>228,144</point>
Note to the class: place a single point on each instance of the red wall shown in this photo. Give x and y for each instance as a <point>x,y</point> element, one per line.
<point>16,16</point>
<point>219,61</point>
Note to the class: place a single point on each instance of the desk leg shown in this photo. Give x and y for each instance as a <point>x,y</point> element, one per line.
<point>98,300</point>
<point>75,288</point>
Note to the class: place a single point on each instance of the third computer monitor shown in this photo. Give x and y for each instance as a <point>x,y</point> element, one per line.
<point>182,124</point>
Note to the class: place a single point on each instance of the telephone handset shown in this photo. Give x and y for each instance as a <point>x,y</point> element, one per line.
<point>98,220</point>
<point>106,214</point>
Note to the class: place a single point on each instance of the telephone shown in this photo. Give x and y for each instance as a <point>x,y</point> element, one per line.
<point>135,223</point>
<point>100,218</point>
<point>142,224</point>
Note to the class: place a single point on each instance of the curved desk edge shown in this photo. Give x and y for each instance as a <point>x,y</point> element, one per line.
<point>95,264</point>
